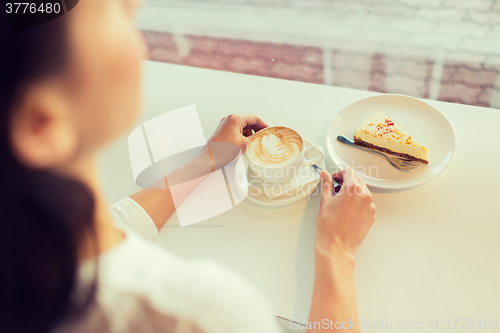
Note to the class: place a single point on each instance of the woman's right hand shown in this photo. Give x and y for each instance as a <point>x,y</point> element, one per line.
<point>344,219</point>
<point>343,222</point>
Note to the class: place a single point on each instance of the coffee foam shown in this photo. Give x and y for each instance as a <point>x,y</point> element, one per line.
<point>275,146</point>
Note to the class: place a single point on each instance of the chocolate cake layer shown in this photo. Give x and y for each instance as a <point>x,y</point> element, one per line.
<point>362,143</point>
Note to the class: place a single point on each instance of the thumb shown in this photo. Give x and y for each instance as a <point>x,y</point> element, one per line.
<point>326,185</point>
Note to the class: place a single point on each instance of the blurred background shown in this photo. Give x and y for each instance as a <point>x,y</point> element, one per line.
<point>447,50</point>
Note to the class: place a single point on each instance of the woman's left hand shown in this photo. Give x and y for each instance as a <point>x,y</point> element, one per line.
<point>237,129</point>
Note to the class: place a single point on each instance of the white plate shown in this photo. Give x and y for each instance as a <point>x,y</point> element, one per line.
<point>420,120</point>
<point>256,194</point>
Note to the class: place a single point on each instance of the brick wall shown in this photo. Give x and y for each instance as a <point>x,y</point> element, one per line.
<point>459,82</point>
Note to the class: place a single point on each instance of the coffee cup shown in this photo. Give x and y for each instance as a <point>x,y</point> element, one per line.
<point>277,153</point>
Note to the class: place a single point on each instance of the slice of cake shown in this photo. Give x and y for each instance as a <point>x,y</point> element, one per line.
<point>379,132</point>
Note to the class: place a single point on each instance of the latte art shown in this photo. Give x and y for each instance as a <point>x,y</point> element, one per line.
<point>275,146</point>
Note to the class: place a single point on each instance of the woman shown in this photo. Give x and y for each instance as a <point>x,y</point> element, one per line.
<point>67,88</point>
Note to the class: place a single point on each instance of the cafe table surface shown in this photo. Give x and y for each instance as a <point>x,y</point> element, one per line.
<point>433,252</point>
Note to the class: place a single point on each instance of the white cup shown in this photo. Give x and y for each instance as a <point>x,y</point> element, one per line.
<point>284,172</point>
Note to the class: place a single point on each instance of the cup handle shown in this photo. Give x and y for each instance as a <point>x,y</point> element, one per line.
<point>317,159</point>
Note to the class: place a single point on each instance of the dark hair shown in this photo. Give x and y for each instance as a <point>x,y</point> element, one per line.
<point>44,217</point>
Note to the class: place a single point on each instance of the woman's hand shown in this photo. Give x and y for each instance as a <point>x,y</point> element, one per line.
<point>237,129</point>
<point>343,219</point>
<point>343,222</point>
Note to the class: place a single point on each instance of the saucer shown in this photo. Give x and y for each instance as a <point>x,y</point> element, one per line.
<point>256,189</point>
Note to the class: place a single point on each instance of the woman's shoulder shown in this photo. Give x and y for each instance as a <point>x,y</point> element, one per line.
<point>212,295</point>
<point>118,311</point>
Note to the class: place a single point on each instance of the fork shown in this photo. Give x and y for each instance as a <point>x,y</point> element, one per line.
<point>397,162</point>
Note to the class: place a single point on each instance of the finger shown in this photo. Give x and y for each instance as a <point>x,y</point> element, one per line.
<point>326,185</point>
<point>338,176</point>
<point>253,121</point>
<point>350,176</point>
<point>222,120</point>
<point>359,180</point>
<point>366,186</point>
<point>373,210</point>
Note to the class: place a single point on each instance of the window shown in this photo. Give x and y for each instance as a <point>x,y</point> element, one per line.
<point>445,50</point>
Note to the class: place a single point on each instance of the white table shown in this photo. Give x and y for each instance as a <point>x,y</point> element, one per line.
<point>433,252</point>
